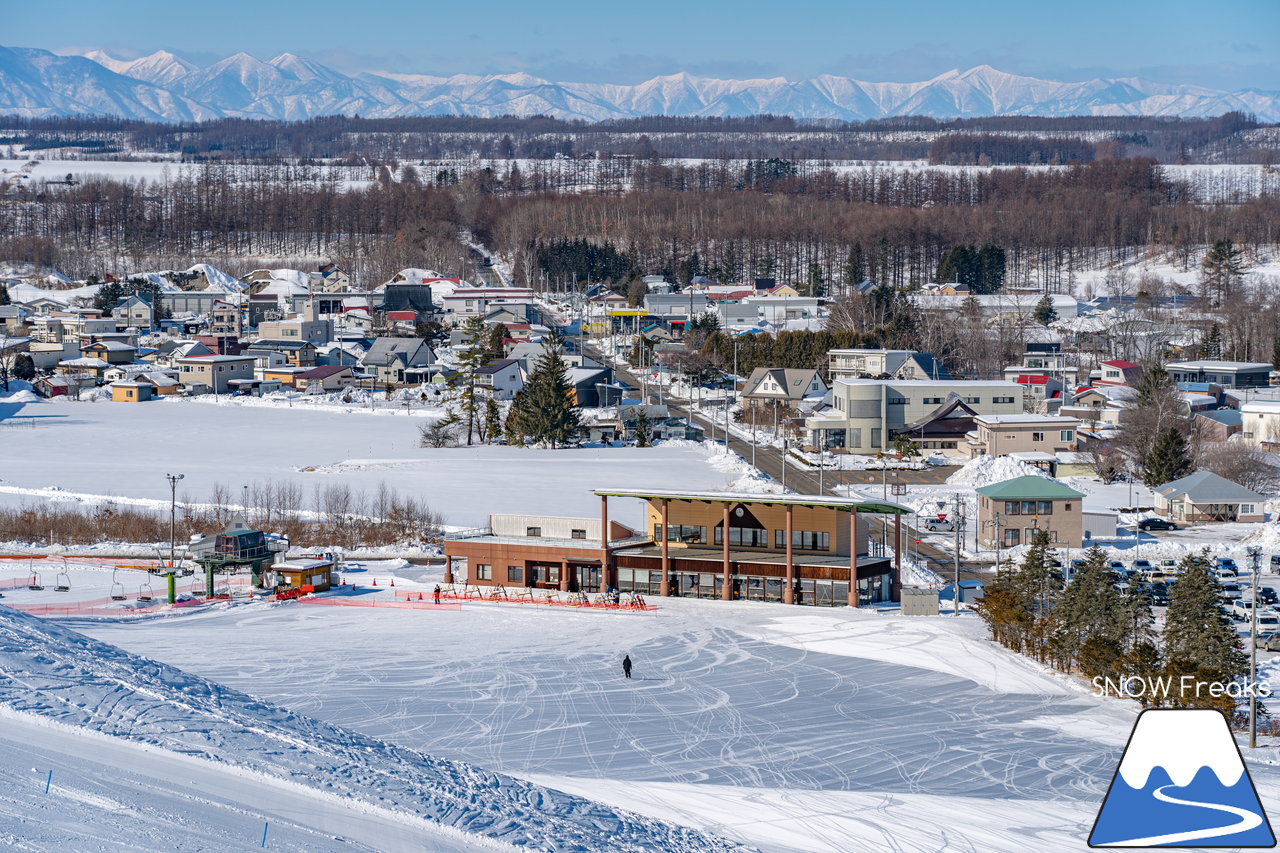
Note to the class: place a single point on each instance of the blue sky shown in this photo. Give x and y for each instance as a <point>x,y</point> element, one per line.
<point>1221,44</point>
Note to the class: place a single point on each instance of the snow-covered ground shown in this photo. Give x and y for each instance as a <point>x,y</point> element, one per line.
<point>785,729</point>
<point>87,452</point>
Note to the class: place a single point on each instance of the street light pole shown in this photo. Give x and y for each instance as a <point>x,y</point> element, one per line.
<point>1255,557</point>
<point>959,520</point>
<point>173,515</point>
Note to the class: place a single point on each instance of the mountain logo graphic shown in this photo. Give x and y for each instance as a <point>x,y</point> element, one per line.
<point>1181,783</point>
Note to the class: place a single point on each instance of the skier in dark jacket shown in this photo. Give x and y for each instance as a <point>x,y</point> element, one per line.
<point>626,666</point>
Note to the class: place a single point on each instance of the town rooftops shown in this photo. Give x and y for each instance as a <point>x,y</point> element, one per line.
<point>858,504</point>
<point>276,344</point>
<point>1208,487</point>
<point>1027,488</point>
<point>1119,364</point>
<point>324,371</point>
<point>213,358</point>
<point>498,365</point>
<point>996,420</point>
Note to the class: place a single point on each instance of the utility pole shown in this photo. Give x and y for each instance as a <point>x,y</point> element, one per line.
<point>959,519</point>
<point>1255,558</point>
<point>173,515</point>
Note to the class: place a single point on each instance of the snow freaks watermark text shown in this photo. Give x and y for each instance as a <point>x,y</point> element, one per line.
<point>1181,687</point>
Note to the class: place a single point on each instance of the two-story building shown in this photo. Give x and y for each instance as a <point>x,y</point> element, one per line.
<point>213,372</point>
<point>876,363</point>
<point>866,414</point>
<point>796,549</point>
<point>781,386</point>
<point>1010,512</point>
<point>1006,435</point>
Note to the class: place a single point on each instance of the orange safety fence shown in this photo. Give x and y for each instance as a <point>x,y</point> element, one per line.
<point>402,605</point>
<point>91,609</point>
<point>550,598</point>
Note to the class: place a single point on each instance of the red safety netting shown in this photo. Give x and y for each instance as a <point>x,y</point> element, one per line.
<point>551,598</point>
<point>357,602</point>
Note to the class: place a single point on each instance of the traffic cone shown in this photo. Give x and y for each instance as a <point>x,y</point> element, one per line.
<point>375,581</point>
<point>393,581</point>
<point>419,596</point>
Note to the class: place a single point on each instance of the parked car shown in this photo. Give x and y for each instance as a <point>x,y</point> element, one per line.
<point>1241,610</point>
<point>1116,565</point>
<point>1269,640</point>
<point>1230,592</point>
<point>1226,563</point>
<point>1149,524</point>
<point>1267,595</point>
<point>1143,565</point>
<point>1275,562</point>
<point>934,524</point>
<point>1158,576</point>
<point>1268,619</point>
<point>1224,574</point>
<point>1159,596</point>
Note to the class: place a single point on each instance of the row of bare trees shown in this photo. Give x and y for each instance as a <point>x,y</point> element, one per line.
<point>333,514</point>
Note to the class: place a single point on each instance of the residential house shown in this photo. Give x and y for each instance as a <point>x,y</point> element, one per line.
<point>1260,424</point>
<point>1013,307</point>
<point>1228,374</point>
<point>297,353</point>
<point>1011,512</point>
<point>388,358</point>
<point>284,375</point>
<point>501,378</point>
<point>619,422</point>
<point>670,306</point>
<point>475,301</point>
<point>1004,435</point>
<point>866,414</point>
<point>63,385</point>
<point>214,372</point>
<point>135,310</point>
<point>83,366</point>
<point>1204,496</point>
<point>890,363</point>
<point>317,332</point>
<point>322,379</point>
<point>112,352</point>
<point>332,279</point>
<point>1101,405</point>
<point>225,319</point>
<point>781,386</point>
<point>1117,371</point>
<point>945,430</point>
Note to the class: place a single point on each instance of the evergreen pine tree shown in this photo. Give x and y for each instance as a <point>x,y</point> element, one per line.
<point>24,368</point>
<point>492,420</point>
<point>495,347</point>
<point>1220,271</point>
<point>549,416</point>
<point>1040,587</point>
<point>1198,639</point>
<point>516,432</point>
<point>991,268</point>
<point>854,272</point>
<point>1045,313</point>
<point>1168,460</point>
<point>1211,344</point>
<point>642,428</point>
<point>470,360</point>
<point>1090,608</point>
<point>4,295</point>
<point>814,281</point>
<point>1275,352</point>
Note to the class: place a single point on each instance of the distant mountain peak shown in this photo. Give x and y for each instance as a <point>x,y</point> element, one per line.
<point>292,87</point>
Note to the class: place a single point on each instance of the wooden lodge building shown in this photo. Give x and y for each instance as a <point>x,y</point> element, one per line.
<point>797,549</point>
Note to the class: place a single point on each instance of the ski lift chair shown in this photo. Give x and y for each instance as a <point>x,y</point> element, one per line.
<point>145,592</point>
<point>117,588</point>
<point>36,583</point>
<point>64,580</point>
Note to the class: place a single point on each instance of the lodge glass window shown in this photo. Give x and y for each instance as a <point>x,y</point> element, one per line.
<point>533,531</point>
<point>515,574</point>
<point>577,534</point>
<point>484,572</point>
<point>693,534</point>
<point>806,540</point>
<point>997,399</point>
<point>1067,435</point>
<point>743,537</point>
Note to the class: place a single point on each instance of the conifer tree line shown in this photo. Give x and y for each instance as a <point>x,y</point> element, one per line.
<point>1091,627</point>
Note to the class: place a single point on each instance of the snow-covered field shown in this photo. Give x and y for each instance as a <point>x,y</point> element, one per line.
<point>93,451</point>
<point>783,729</point>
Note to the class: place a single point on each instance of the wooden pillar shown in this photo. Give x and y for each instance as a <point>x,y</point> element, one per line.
<point>726,584</point>
<point>665,588</point>
<point>448,569</point>
<point>895,583</point>
<point>853,557</point>
<point>789,590</point>
<point>564,575</point>
<point>604,543</point>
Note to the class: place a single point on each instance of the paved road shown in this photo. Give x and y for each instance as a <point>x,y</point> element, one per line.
<point>769,460</point>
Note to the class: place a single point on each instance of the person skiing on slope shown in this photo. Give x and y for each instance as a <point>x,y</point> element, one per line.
<point>626,666</point>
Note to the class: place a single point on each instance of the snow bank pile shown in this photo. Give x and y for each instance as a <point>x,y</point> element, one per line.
<point>1267,536</point>
<point>89,685</point>
<point>20,392</point>
<point>985,470</point>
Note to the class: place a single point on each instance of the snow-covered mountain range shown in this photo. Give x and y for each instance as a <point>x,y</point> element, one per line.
<point>165,87</point>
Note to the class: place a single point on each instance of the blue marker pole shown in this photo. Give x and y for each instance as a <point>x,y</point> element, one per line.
<point>264,833</point>
<point>48,782</point>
